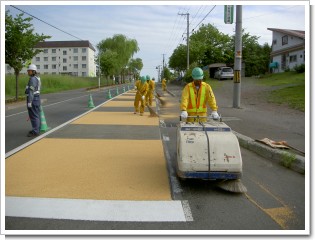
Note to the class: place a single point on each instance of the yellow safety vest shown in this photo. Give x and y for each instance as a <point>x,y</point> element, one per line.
<point>197,106</point>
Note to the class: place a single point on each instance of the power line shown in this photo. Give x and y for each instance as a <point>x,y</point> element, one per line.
<point>47,23</point>
<point>204,18</point>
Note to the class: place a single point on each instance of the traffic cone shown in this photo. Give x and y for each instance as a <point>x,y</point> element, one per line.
<point>43,123</point>
<point>117,91</point>
<point>109,95</point>
<point>128,88</point>
<point>91,104</point>
<point>124,90</point>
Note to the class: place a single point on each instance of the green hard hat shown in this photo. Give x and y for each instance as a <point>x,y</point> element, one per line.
<point>197,73</point>
<point>148,77</point>
<point>143,79</point>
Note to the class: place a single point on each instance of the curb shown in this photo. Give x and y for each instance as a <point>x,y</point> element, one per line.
<point>287,159</point>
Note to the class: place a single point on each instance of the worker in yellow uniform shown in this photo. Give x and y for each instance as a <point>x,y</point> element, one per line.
<point>142,88</point>
<point>164,84</point>
<point>149,95</point>
<point>195,97</point>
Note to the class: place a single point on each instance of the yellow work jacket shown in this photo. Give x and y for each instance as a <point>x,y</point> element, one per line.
<point>151,84</point>
<point>194,101</point>
<point>142,89</point>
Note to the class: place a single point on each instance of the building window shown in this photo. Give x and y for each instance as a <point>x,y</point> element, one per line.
<point>64,52</point>
<point>83,65</point>
<point>75,66</point>
<point>38,66</point>
<point>75,50</point>
<point>293,58</point>
<point>274,42</point>
<point>64,60</point>
<point>37,59</point>
<point>285,40</point>
<point>45,59</point>
<point>83,58</point>
<point>54,66</point>
<point>45,66</point>
<point>46,50</point>
<point>83,74</point>
<point>83,50</point>
<point>75,58</point>
<point>64,68</point>
<point>53,59</point>
<point>53,50</point>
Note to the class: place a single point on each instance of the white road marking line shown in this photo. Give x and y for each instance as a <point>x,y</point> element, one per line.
<point>98,210</point>
<point>187,211</point>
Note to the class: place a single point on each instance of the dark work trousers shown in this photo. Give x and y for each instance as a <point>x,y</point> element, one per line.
<point>34,114</point>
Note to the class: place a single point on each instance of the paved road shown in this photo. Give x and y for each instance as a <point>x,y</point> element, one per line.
<point>275,198</point>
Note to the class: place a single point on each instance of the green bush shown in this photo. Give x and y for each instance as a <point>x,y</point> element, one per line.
<point>300,68</point>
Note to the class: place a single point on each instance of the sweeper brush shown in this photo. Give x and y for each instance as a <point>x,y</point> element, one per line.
<point>235,186</point>
<point>163,102</point>
<point>208,149</point>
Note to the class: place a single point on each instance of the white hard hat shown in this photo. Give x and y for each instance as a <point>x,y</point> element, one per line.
<point>32,67</point>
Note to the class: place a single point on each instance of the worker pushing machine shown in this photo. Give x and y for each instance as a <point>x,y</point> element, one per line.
<point>164,84</point>
<point>195,97</point>
<point>151,88</point>
<point>142,88</point>
<point>32,92</point>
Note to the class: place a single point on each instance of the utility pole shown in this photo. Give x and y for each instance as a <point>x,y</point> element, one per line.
<point>237,58</point>
<point>187,15</point>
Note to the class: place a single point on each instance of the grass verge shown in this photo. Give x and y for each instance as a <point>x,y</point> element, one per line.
<point>290,89</point>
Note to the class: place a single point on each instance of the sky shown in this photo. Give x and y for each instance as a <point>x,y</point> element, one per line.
<point>157,26</point>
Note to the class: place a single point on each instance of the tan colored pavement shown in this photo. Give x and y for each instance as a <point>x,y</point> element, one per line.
<point>100,169</point>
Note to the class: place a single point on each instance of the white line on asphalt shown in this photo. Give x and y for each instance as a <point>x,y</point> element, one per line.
<point>97,210</point>
<point>187,211</point>
<point>12,115</point>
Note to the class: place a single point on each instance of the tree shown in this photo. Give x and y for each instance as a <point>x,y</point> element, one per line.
<point>123,47</point>
<point>255,56</point>
<point>209,45</point>
<point>19,43</point>
<point>135,66</point>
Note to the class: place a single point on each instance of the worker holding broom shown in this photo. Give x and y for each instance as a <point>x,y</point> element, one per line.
<point>195,97</point>
<point>164,84</point>
<point>33,100</point>
<point>142,88</point>
<point>151,87</point>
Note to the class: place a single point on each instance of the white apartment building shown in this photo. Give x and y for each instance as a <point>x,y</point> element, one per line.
<point>76,58</point>
<point>288,48</point>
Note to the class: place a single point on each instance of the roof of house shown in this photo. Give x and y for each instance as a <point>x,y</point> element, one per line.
<point>296,33</point>
<point>65,44</point>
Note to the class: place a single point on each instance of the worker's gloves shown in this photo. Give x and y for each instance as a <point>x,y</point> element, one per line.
<point>142,97</point>
<point>214,115</point>
<point>29,105</point>
<point>184,114</point>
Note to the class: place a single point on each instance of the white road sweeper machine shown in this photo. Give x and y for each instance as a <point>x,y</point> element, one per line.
<point>209,150</point>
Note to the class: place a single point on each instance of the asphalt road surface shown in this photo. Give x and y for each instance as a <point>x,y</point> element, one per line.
<point>275,199</point>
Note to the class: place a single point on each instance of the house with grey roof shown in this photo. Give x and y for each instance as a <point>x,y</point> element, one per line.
<point>76,58</point>
<point>287,49</point>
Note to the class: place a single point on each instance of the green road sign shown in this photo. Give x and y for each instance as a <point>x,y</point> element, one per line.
<point>228,14</point>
